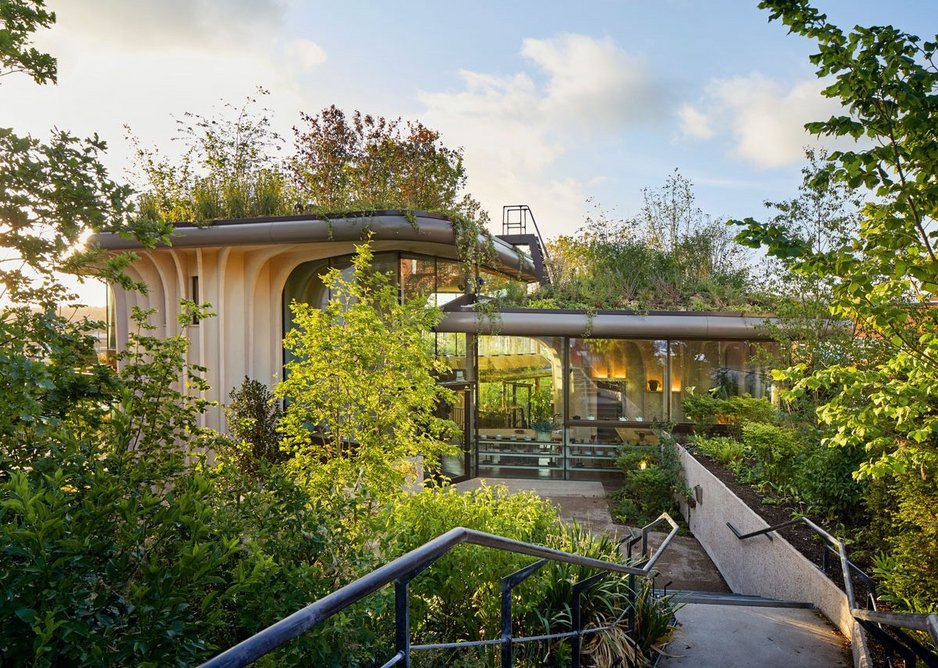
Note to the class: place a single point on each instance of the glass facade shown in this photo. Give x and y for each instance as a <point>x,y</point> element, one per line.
<point>520,406</point>
<point>563,407</point>
<point>723,368</point>
<point>547,406</point>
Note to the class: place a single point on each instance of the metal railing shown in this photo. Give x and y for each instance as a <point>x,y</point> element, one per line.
<point>405,568</point>
<point>515,231</point>
<point>885,627</point>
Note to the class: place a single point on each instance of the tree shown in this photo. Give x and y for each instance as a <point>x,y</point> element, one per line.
<point>252,416</point>
<point>362,393</point>
<point>884,279</point>
<point>19,19</point>
<point>824,216</point>
<point>670,255</point>
<point>369,162</point>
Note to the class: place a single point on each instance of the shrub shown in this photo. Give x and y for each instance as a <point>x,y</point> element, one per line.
<point>459,596</point>
<point>252,417</point>
<point>824,480</point>
<point>469,574</point>
<point>775,450</point>
<point>653,480</point>
<point>909,569</point>
<point>707,410</point>
<point>726,450</point>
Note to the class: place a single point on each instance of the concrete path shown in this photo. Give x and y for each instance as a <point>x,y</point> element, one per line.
<point>730,636</point>
<point>684,565</point>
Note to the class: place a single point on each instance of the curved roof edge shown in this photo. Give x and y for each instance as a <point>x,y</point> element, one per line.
<point>610,324</point>
<point>384,226</point>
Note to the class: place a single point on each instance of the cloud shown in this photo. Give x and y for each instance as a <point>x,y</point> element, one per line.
<point>516,127</point>
<point>594,82</point>
<point>764,118</point>
<point>694,123</point>
<point>158,24</point>
<point>304,54</point>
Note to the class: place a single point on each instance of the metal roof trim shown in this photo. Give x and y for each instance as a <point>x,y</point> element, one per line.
<point>384,226</point>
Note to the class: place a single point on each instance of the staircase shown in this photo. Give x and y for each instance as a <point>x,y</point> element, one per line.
<point>515,232</point>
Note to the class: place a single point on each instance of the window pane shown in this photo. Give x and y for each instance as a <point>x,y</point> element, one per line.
<point>721,368</point>
<point>617,379</point>
<point>418,277</point>
<point>520,406</point>
<point>451,346</point>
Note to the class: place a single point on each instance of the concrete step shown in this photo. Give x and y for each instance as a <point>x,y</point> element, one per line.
<point>730,636</point>
<point>724,598</point>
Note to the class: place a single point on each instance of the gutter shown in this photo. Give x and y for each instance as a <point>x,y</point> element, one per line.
<point>609,325</point>
<point>383,225</point>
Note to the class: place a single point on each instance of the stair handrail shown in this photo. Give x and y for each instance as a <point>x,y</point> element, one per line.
<point>524,211</point>
<point>871,620</point>
<point>402,570</point>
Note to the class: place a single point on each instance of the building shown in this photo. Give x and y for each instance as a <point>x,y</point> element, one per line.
<point>548,394</point>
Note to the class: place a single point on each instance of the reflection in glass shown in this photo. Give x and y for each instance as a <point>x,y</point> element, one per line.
<point>617,379</point>
<point>454,466</point>
<point>451,346</point>
<point>721,368</point>
<point>520,406</point>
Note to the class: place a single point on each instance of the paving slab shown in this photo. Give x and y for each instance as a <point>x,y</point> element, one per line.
<point>544,488</point>
<point>730,636</point>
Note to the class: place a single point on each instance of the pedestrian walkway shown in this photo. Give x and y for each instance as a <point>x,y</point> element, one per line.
<point>731,636</point>
<point>684,565</point>
<point>716,630</point>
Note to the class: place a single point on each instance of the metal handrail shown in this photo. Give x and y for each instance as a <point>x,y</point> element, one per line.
<point>866,618</point>
<point>402,570</point>
<point>524,211</point>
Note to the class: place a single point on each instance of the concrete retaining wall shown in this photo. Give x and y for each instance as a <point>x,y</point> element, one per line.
<point>772,568</point>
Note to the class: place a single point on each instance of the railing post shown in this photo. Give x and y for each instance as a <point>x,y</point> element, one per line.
<point>631,602</point>
<point>402,620</point>
<point>509,582</point>
<point>578,589</point>
<point>506,624</point>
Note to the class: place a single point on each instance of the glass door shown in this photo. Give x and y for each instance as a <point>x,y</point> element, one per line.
<point>457,467</point>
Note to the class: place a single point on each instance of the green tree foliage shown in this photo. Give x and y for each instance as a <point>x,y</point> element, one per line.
<point>672,255</point>
<point>884,278</point>
<point>364,375</point>
<point>253,416</point>
<point>823,217</point>
<point>19,19</point>
<point>368,162</point>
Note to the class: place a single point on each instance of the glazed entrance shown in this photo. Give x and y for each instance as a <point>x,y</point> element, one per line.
<point>560,407</point>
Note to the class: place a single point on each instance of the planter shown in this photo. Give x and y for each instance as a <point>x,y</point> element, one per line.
<point>760,565</point>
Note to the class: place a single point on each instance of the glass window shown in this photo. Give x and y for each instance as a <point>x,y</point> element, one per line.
<point>721,368</point>
<point>520,383</point>
<point>520,405</point>
<point>500,286</point>
<point>617,379</point>
<point>450,280</point>
<point>418,278</point>
<point>451,346</point>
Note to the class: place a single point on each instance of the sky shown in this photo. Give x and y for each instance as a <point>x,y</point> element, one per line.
<point>555,105</point>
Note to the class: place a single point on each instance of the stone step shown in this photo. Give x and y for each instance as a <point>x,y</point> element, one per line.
<point>724,598</point>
